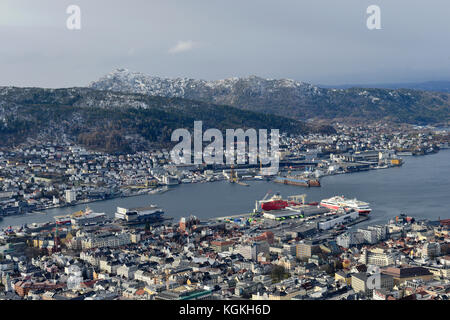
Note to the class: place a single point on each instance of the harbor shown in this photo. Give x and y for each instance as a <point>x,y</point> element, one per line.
<point>388,191</point>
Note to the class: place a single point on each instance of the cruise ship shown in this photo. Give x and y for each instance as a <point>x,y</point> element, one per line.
<point>87,218</point>
<point>339,202</point>
<point>139,215</point>
<point>63,220</point>
<point>80,218</point>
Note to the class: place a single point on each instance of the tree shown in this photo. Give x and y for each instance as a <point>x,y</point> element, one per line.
<point>279,273</point>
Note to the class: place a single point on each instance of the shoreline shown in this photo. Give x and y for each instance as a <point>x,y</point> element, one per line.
<point>43,211</point>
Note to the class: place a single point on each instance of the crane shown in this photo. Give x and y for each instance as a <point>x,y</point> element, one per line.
<point>267,194</point>
<point>300,196</point>
<point>258,202</point>
<point>234,178</point>
<point>233,175</point>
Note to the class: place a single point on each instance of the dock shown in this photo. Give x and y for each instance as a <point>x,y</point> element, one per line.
<point>358,220</point>
<point>236,216</point>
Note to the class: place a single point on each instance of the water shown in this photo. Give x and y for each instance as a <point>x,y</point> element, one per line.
<point>420,188</point>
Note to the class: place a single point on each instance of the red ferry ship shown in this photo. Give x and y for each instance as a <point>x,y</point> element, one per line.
<point>277,203</point>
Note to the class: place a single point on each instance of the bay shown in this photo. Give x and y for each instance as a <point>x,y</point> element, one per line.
<point>420,188</point>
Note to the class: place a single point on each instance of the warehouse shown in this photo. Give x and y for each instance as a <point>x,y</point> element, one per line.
<point>331,222</point>
<point>295,212</point>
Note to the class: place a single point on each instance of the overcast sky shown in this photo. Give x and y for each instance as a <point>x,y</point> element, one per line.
<point>316,41</point>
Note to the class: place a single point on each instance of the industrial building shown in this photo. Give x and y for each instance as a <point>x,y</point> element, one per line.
<point>295,212</point>
<point>333,221</point>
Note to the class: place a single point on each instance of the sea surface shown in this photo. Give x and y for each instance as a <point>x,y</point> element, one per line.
<point>420,188</point>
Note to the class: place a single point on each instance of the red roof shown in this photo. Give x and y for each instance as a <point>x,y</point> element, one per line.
<point>140,292</point>
<point>88,284</point>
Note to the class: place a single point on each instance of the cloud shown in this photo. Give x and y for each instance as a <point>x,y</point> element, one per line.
<point>183,46</point>
<point>131,52</point>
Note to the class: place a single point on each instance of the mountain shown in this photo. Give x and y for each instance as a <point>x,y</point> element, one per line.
<point>293,99</point>
<point>434,86</point>
<point>119,122</point>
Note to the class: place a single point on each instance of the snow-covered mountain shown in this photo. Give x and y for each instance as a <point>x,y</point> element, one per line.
<point>227,91</point>
<point>289,98</point>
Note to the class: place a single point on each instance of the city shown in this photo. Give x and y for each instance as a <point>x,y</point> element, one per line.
<point>224,159</point>
<point>283,250</point>
<point>39,176</point>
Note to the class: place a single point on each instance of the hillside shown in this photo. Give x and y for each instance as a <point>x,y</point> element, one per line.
<point>118,122</point>
<point>289,98</point>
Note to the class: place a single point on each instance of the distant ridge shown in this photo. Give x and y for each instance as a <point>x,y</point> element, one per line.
<point>434,86</point>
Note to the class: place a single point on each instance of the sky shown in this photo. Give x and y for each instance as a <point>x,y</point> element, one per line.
<point>315,41</point>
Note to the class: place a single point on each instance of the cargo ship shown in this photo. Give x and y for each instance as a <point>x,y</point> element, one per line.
<point>139,215</point>
<point>340,202</point>
<point>298,181</point>
<point>276,202</point>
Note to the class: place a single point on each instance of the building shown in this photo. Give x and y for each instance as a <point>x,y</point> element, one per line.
<point>197,294</point>
<point>370,236</point>
<point>431,250</point>
<point>144,276</point>
<point>359,282</point>
<point>333,221</point>
<point>259,247</point>
<point>300,211</point>
<point>244,250</point>
<point>220,246</point>
<point>349,239</point>
<point>251,251</point>
<point>288,263</point>
<point>104,240</point>
<point>343,277</point>
<point>71,196</point>
<point>381,231</point>
<point>127,270</point>
<point>402,274</point>
<point>365,283</point>
<point>22,288</point>
<point>88,219</point>
<point>378,257</point>
<point>306,249</point>
<point>265,236</point>
<point>187,223</point>
<point>382,294</point>
<point>170,180</point>
<point>365,156</point>
<point>440,272</point>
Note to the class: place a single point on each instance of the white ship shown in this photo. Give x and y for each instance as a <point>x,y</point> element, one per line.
<point>339,202</point>
<point>87,218</point>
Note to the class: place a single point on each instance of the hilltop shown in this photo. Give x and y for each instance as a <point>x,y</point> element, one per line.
<point>290,98</point>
